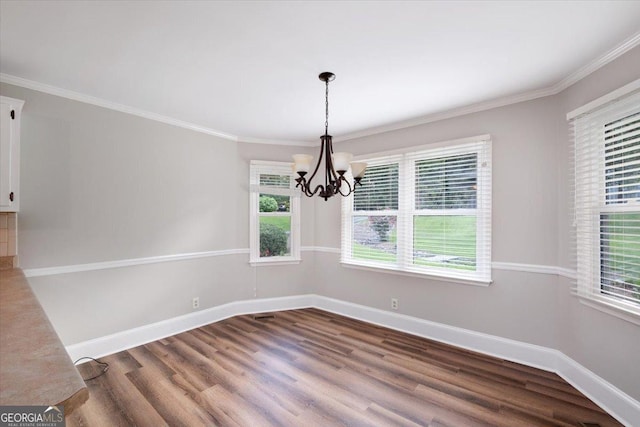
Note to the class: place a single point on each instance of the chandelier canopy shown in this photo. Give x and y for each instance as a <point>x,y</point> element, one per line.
<point>336,165</point>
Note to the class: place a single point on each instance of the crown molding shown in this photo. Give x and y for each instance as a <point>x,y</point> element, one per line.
<point>610,97</point>
<point>598,63</point>
<point>77,96</point>
<point>251,140</point>
<point>554,89</point>
<point>455,112</point>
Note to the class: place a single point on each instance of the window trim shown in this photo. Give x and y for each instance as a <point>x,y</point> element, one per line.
<point>256,168</point>
<point>436,278</point>
<point>347,210</point>
<point>586,219</point>
<point>406,210</point>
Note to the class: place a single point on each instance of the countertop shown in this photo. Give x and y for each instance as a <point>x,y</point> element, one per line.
<point>35,368</point>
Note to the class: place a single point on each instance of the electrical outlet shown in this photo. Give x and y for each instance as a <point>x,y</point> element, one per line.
<point>394,303</point>
<point>196,302</point>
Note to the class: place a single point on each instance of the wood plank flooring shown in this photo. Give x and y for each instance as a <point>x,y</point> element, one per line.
<point>313,368</point>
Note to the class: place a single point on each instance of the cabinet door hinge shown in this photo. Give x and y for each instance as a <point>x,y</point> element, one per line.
<point>13,114</point>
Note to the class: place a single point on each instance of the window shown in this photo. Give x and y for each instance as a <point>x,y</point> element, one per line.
<point>607,203</point>
<point>425,211</point>
<point>275,213</point>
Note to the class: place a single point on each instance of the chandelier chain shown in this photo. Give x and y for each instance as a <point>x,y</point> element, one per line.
<point>326,106</point>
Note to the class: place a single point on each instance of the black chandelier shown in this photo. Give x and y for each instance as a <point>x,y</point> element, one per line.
<point>336,165</point>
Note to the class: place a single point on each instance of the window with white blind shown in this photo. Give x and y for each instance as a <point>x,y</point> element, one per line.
<point>275,214</point>
<point>424,211</point>
<point>607,203</point>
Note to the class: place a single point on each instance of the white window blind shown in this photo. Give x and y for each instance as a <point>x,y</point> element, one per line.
<point>607,203</point>
<point>425,211</point>
<point>375,214</point>
<point>275,213</point>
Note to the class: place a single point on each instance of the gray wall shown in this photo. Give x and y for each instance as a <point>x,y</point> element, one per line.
<point>99,185</point>
<point>516,305</point>
<point>606,345</point>
<point>530,221</point>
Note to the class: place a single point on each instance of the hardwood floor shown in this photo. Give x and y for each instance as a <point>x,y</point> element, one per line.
<point>313,368</point>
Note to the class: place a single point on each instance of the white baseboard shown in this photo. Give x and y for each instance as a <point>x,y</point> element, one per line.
<point>613,400</point>
<point>610,398</point>
<point>515,351</point>
<point>617,403</point>
<point>130,338</point>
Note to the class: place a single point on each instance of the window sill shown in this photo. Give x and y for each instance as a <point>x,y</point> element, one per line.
<point>267,263</point>
<point>461,281</point>
<point>604,305</point>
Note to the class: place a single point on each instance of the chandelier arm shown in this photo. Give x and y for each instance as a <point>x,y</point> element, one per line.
<point>319,188</point>
<point>328,170</point>
<point>308,192</point>
<point>312,193</point>
<point>317,164</point>
<point>348,186</point>
<point>302,183</point>
<point>334,176</point>
<point>306,188</point>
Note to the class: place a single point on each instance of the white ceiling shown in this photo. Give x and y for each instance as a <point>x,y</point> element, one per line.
<point>250,69</point>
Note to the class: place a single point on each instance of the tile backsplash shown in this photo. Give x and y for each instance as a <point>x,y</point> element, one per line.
<point>8,233</point>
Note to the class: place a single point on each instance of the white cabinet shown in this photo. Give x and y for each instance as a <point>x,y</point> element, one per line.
<point>10,154</point>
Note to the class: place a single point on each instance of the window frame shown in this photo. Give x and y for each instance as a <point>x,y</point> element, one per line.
<point>406,212</point>
<point>347,209</point>
<point>590,203</point>
<point>261,167</point>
